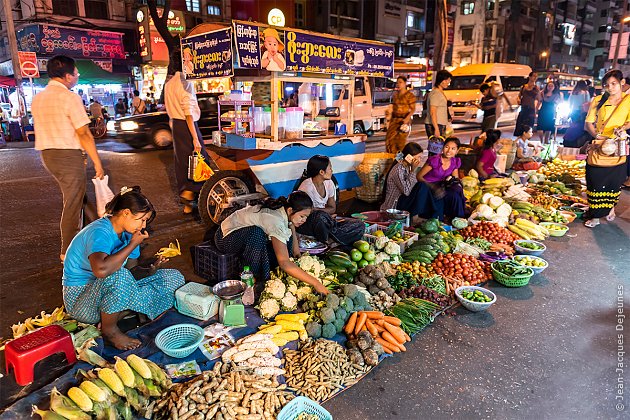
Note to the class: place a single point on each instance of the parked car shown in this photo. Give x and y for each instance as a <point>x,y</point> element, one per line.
<point>153,128</point>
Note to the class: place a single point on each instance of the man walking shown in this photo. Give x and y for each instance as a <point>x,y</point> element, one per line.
<point>64,138</point>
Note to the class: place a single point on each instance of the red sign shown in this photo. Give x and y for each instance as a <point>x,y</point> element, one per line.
<point>28,64</point>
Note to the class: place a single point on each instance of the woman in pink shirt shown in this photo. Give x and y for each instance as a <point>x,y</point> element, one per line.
<point>488,156</point>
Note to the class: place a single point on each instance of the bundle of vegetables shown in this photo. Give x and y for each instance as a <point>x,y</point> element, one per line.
<point>382,300</point>
<point>459,268</point>
<point>384,329</point>
<point>328,315</point>
<point>434,282</point>
<point>545,201</point>
<point>489,231</point>
<point>285,328</point>
<point>529,230</point>
<point>492,257</point>
<point>388,249</point>
<point>225,392</point>
<point>341,265</point>
<point>414,314</point>
<point>111,392</point>
<point>556,186</point>
<point>44,319</point>
<point>374,278</point>
<point>501,248</point>
<point>516,192</point>
<point>512,268</point>
<point>416,268</point>
<point>423,292</point>
<point>479,243</point>
<point>283,292</point>
<point>492,208</point>
<point>319,369</point>
<point>428,226</point>
<point>402,280</point>
<point>364,350</point>
<point>257,352</point>
<point>426,248</point>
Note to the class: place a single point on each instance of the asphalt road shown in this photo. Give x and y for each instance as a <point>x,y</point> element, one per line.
<point>547,350</point>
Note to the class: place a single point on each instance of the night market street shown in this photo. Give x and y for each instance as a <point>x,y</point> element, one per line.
<point>547,350</point>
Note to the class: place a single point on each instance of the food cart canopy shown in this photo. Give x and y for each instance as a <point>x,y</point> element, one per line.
<point>92,74</point>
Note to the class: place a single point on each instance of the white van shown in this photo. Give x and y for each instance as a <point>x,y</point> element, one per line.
<point>464,89</point>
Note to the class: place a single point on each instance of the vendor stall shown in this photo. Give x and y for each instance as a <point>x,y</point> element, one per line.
<point>264,138</point>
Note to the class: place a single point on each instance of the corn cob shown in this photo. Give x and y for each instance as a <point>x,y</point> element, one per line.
<point>158,375</point>
<point>523,223</point>
<point>520,232</point>
<point>112,381</point>
<point>290,325</point>
<point>274,329</point>
<point>80,398</point>
<point>64,406</point>
<point>289,335</point>
<point>292,317</point>
<point>139,365</point>
<point>47,415</point>
<point>95,392</point>
<point>124,371</point>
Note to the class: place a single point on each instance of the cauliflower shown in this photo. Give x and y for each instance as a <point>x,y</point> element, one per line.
<point>302,292</point>
<point>381,241</point>
<point>292,287</point>
<point>392,248</point>
<point>380,257</point>
<point>268,308</point>
<point>311,265</point>
<point>289,302</point>
<point>275,288</point>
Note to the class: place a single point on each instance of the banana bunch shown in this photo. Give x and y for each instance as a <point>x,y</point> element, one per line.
<point>172,250</point>
<point>527,229</point>
<point>44,319</point>
<point>111,392</point>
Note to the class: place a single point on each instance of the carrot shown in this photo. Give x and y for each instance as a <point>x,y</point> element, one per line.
<point>371,328</point>
<point>378,328</point>
<point>386,350</point>
<point>392,320</point>
<point>373,314</point>
<point>396,332</point>
<point>392,341</point>
<point>349,328</point>
<point>387,345</point>
<point>407,336</point>
<point>379,322</point>
<point>360,323</point>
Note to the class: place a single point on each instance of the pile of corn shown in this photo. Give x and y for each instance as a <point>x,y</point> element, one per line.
<point>285,328</point>
<point>110,392</point>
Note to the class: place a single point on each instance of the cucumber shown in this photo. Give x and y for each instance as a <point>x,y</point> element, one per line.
<point>340,261</point>
<point>338,270</point>
<point>422,247</point>
<point>338,253</point>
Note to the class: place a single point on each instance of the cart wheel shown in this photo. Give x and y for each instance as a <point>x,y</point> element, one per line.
<point>217,190</point>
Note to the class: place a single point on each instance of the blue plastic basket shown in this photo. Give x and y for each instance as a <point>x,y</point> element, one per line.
<point>300,405</point>
<point>179,340</point>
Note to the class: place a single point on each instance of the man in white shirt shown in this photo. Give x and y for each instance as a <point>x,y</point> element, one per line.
<point>96,109</point>
<point>183,109</point>
<point>138,106</point>
<point>64,138</point>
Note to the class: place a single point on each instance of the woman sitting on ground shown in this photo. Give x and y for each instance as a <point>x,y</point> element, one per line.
<point>321,223</point>
<point>488,156</point>
<point>401,179</point>
<point>525,151</point>
<point>264,233</point>
<point>98,285</point>
<point>440,194</point>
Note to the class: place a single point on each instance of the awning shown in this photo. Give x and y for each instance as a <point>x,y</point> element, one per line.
<point>6,81</point>
<point>90,73</point>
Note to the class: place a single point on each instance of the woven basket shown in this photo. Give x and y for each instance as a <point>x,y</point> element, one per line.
<point>372,173</point>
<point>303,405</point>
<point>511,281</point>
<point>179,340</point>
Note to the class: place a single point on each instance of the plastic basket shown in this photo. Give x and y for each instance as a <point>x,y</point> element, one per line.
<point>300,405</point>
<point>213,266</point>
<point>409,237</point>
<point>511,281</point>
<point>372,172</point>
<point>179,340</point>
<point>197,301</point>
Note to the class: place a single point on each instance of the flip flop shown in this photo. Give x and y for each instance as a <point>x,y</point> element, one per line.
<point>611,217</point>
<point>625,187</point>
<point>591,223</point>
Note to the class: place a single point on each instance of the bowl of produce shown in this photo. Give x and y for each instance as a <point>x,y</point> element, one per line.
<point>555,229</point>
<point>578,212</point>
<point>568,215</point>
<point>179,340</point>
<point>475,298</point>
<point>535,263</point>
<point>511,274</point>
<point>528,247</point>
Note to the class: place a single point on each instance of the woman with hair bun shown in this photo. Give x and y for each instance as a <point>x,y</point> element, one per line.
<point>265,233</point>
<point>98,285</point>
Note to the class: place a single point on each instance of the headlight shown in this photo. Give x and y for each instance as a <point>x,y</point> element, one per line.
<point>111,126</point>
<point>563,110</point>
<point>128,125</point>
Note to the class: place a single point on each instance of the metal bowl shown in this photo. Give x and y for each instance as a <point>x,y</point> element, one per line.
<point>472,305</point>
<point>229,289</point>
<point>395,214</point>
<point>526,251</point>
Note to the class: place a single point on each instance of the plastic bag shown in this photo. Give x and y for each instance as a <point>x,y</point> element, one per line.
<point>202,170</point>
<point>103,194</point>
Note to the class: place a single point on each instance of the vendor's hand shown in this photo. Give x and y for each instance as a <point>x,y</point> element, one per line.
<point>139,236</point>
<point>320,288</point>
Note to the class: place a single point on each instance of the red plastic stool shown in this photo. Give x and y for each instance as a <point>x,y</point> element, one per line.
<point>24,352</point>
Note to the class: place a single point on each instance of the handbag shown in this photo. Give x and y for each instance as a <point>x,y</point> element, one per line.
<point>595,155</point>
<point>436,144</point>
<point>198,169</point>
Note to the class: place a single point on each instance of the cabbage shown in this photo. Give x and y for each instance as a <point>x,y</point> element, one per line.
<point>495,202</point>
<point>470,182</point>
<point>484,211</point>
<point>504,210</point>
<point>473,173</point>
<point>486,198</point>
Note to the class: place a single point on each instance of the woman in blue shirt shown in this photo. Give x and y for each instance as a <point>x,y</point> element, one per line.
<point>97,282</point>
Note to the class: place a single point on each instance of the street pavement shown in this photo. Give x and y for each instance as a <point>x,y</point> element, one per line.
<point>547,350</point>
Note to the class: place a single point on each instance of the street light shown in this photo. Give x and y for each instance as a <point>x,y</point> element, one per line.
<point>545,56</point>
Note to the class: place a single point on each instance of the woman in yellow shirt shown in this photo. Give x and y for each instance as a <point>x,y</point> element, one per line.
<point>608,112</point>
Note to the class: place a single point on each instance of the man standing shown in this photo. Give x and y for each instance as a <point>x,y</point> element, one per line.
<point>488,105</point>
<point>96,109</point>
<point>64,138</point>
<point>138,106</point>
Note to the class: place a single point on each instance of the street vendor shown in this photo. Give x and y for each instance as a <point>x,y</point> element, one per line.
<point>321,223</point>
<point>488,156</point>
<point>102,281</point>
<point>266,233</point>
<point>399,127</point>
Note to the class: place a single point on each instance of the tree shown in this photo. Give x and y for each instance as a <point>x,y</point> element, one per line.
<point>172,41</point>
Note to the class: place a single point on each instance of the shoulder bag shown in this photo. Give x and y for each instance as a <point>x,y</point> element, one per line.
<point>596,156</point>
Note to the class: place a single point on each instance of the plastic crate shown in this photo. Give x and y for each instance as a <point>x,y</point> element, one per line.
<point>197,301</point>
<point>300,405</point>
<point>213,266</point>
<point>409,237</point>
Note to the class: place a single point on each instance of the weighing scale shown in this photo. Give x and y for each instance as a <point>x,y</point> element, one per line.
<point>231,308</point>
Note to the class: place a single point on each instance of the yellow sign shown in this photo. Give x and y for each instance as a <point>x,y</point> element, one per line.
<point>276,17</point>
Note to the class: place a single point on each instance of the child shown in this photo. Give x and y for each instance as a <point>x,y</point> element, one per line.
<point>525,152</point>
<point>272,58</point>
<point>488,156</point>
<point>97,283</point>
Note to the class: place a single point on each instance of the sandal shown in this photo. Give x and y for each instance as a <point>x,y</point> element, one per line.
<point>591,223</point>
